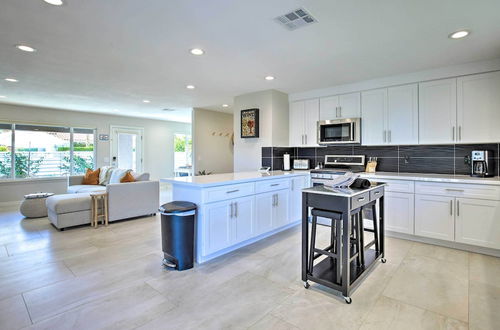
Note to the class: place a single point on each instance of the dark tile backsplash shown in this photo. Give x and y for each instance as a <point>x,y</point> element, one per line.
<point>441,159</point>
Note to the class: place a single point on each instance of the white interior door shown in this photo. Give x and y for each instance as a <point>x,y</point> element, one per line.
<point>126,148</point>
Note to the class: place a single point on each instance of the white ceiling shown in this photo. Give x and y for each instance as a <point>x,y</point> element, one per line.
<point>102,56</point>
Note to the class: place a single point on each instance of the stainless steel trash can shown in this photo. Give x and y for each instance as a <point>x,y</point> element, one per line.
<point>177,234</point>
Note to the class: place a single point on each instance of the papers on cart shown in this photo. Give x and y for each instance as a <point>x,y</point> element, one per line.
<point>341,181</point>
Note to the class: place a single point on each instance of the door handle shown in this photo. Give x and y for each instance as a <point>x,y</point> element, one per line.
<point>277,200</point>
<point>232,191</point>
<point>305,135</point>
<point>292,185</point>
<point>231,210</point>
<point>236,209</point>
<point>274,200</point>
<point>390,136</point>
<point>458,208</point>
<point>384,134</point>
<point>453,133</point>
<point>451,207</point>
<point>340,111</point>
<point>460,133</point>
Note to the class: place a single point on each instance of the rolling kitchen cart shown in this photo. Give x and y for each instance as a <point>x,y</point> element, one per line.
<point>347,257</point>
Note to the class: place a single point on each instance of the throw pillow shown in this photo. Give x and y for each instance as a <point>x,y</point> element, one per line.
<point>127,178</point>
<point>91,177</point>
<point>105,175</point>
<point>117,174</point>
<point>141,177</point>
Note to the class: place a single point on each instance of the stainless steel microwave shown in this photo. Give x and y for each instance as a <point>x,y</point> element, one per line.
<point>339,131</point>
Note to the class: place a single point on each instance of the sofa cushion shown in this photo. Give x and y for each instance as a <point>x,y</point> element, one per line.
<point>91,177</point>
<point>141,176</point>
<point>127,178</point>
<point>105,174</point>
<point>80,188</point>
<point>117,175</point>
<point>68,203</point>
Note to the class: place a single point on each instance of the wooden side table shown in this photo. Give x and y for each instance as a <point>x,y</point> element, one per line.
<point>96,199</point>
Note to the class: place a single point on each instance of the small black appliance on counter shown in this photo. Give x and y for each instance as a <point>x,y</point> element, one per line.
<point>483,164</point>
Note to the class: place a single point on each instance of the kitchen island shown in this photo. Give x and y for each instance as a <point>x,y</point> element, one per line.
<point>237,209</point>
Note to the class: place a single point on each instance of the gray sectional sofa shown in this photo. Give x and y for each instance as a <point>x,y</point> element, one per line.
<point>125,200</point>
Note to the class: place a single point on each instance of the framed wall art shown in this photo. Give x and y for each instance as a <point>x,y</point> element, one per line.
<point>250,123</point>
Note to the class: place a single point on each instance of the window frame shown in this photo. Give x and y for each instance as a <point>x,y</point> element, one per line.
<point>71,149</point>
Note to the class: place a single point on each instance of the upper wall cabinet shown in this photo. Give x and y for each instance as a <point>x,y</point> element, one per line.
<point>478,108</point>
<point>304,116</point>
<point>438,111</point>
<point>340,106</point>
<point>390,115</point>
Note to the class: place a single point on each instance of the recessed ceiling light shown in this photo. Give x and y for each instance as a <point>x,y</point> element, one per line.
<point>190,87</point>
<point>168,109</point>
<point>11,79</point>
<point>225,105</point>
<point>116,110</point>
<point>269,78</point>
<point>197,51</point>
<point>146,101</point>
<point>2,96</point>
<point>25,48</point>
<point>54,2</point>
<point>459,34</point>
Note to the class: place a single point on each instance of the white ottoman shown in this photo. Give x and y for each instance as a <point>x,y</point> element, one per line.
<point>69,210</point>
<point>33,205</point>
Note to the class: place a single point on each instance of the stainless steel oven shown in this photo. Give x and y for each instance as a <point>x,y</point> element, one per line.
<point>339,131</point>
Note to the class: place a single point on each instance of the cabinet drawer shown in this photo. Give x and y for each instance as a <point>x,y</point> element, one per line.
<point>376,193</point>
<point>396,185</point>
<point>459,190</point>
<point>270,185</point>
<point>360,200</point>
<point>227,192</point>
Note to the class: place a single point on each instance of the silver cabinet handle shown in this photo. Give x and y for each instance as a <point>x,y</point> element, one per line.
<point>340,111</point>
<point>292,185</point>
<point>336,111</point>
<point>235,209</point>
<point>275,184</point>
<point>361,199</point>
<point>390,136</point>
<point>458,208</point>
<point>274,200</point>
<point>231,210</point>
<point>384,134</point>
<point>232,191</point>
<point>277,200</point>
<point>451,207</point>
<point>459,133</point>
<point>453,133</point>
<point>377,192</point>
<point>457,190</point>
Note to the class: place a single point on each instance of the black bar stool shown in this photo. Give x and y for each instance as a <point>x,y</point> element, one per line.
<point>371,208</point>
<point>334,250</point>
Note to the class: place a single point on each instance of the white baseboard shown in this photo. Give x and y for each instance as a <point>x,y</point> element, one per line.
<point>452,245</point>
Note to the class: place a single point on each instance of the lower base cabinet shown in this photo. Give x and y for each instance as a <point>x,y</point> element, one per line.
<point>271,210</point>
<point>478,222</point>
<point>434,217</point>
<point>399,212</point>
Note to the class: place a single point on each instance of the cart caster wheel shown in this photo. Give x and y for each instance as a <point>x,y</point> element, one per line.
<point>383,260</point>
<point>348,300</point>
<point>306,285</point>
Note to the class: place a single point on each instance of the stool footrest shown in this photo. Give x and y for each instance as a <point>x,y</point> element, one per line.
<point>326,253</point>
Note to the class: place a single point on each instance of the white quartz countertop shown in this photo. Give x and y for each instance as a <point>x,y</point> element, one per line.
<point>213,180</point>
<point>447,178</point>
<point>340,192</point>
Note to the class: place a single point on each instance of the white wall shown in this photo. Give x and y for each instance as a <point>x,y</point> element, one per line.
<point>213,153</point>
<point>158,149</point>
<point>273,127</point>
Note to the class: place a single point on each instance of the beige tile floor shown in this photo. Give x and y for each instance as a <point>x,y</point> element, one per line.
<point>111,278</point>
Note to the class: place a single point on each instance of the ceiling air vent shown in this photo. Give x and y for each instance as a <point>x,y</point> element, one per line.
<point>295,19</point>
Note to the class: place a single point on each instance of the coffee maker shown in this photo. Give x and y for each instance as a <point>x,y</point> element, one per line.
<point>482,163</point>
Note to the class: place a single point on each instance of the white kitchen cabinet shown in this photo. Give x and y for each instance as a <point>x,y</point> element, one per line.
<point>304,116</point>
<point>478,222</point>
<point>390,115</point>
<point>217,227</point>
<point>243,219</point>
<point>402,114</point>
<point>340,106</point>
<point>478,108</point>
<point>434,217</point>
<point>399,212</point>
<point>264,209</point>
<point>437,115</point>
<point>296,186</point>
<point>373,112</point>
<point>281,208</point>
